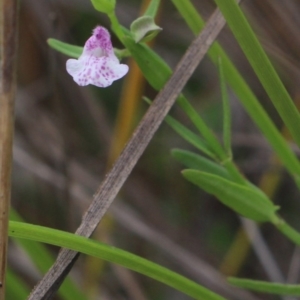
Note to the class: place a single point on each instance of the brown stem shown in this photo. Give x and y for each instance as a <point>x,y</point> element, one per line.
<point>8,45</point>
<point>131,153</point>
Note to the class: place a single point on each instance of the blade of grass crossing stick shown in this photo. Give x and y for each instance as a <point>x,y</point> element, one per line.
<point>243,92</point>
<point>261,65</point>
<point>226,112</point>
<point>112,254</point>
<point>266,287</point>
<point>43,260</point>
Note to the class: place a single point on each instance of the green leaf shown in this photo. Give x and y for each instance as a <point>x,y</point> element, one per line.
<point>202,128</point>
<point>104,6</point>
<point>266,287</point>
<point>155,70</point>
<point>261,65</point>
<point>43,260</point>
<point>195,161</point>
<point>243,92</point>
<point>144,29</point>
<point>244,200</point>
<point>112,254</point>
<point>189,136</point>
<point>226,112</point>
<point>152,8</point>
<point>67,49</point>
<point>190,15</point>
<point>76,51</point>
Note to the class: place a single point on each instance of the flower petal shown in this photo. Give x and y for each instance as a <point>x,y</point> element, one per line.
<point>74,66</point>
<point>99,71</point>
<point>97,64</point>
<point>99,44</point>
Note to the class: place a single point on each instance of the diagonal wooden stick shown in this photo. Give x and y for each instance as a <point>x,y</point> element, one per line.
<point>8,49</point>
<point>131,153</point>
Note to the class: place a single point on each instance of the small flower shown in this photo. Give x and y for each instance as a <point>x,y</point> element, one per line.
<point>97,64</point>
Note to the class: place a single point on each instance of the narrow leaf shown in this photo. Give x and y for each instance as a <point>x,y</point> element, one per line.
<point>112,254</point>
<point>190,136</point>
<point>67,49</point>
<point>155,70</point>
<point>266,287</point>
<point>244,200</point>
<point>261,65</point>
<point>190,15</point>
<point>202,128</point>
<point>43,260</point>
<point>195,161</point>
<point>226,112</point>
<point>104,6</point>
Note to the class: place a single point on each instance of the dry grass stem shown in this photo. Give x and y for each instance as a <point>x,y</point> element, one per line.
<point>8,44</point>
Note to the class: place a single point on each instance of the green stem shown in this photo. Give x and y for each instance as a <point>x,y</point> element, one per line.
<point>152,8</point>
<point>287,230</point>
<point>115,26</point>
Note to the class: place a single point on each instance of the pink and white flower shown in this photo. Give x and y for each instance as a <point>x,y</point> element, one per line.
<point>97,64</point>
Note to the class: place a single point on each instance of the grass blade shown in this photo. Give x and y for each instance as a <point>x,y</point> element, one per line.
<point>195,161</point>
<point>43,260</point>
<point>190,136</point>
<point>226,112</point>
<point>244,200</point>
<point>112,254</point>
<point>261,65</point>
<point>266,287</point>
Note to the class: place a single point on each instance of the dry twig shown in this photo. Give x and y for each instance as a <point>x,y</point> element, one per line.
<point>8,45</point>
